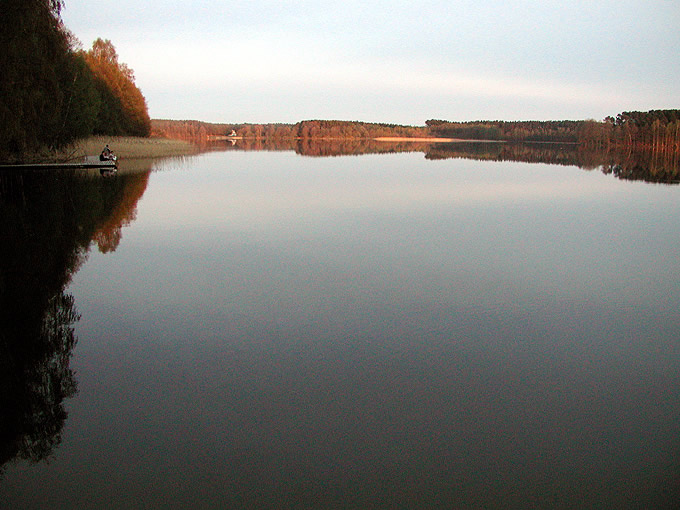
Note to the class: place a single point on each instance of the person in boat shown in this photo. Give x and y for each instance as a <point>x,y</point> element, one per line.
<point>106,154</point>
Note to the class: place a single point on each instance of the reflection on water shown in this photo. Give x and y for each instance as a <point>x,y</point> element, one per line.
<point>260,329</point>
<point>48,223</point>
<point>644,166</point>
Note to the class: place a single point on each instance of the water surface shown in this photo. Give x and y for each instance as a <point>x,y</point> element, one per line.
<point>271,330</point>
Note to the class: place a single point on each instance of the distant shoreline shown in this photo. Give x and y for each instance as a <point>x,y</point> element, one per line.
<point>426,139</point>
<point>421,139</point>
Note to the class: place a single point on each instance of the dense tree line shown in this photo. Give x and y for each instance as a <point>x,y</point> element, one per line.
<point>315,129</point>
<point>51,91</point>
<point>563,131</point>
<point>656,130</point>
<point>198,130</point>
<point>337,129</point>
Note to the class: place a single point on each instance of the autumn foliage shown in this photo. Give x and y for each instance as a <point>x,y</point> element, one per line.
<point>123,109</point>
<point>52,92</point>
<point>654,130</point>
<point>312,129</point>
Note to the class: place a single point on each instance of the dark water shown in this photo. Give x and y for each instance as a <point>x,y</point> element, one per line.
<point>263,329</point>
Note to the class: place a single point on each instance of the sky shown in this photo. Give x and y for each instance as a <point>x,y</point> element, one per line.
<point>401,62</point>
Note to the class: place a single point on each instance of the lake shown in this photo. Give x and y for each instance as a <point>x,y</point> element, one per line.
<point>387,330</point>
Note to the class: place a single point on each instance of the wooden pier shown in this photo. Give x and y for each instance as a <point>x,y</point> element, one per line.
<point>88,162</point>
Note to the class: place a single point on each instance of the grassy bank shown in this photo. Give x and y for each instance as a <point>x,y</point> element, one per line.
<point>128,147</point>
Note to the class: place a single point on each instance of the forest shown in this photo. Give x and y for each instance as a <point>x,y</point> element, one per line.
<point>519,131</point>
<point>52,91</point>
<point>317,129</point>
<point>655,130</point>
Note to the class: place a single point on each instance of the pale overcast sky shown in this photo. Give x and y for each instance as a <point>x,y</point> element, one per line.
<point>392,61</point>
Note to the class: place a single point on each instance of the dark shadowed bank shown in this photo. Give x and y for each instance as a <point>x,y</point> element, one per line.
<point>52,92</point>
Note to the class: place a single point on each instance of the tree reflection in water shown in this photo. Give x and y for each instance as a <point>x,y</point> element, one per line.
<point>49,221</point>
<point>645,166</point>
<point>648,166</point>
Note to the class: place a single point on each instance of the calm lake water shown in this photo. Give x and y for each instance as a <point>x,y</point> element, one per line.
<point>265,329</point>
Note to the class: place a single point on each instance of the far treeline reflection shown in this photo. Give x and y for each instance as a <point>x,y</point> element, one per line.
<point>626,164</point>
<point>50,220</point>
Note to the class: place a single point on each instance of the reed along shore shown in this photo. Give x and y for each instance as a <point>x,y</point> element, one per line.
<point>129,147</point>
